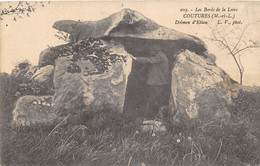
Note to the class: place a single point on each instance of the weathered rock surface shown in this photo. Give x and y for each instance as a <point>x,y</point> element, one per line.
<point>44,75</point>
<point>47,57</point>
<point>198,91</point>
<point>31,70</point>
<point>32,110</point>
<point>76,90</point>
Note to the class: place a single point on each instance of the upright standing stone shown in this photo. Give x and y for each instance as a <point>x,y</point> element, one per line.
<point>198,91</point>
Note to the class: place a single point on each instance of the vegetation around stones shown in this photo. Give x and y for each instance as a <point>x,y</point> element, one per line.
<point>17,84</point>
<point>26,86</point>
<point>111,139</point>
<point>91,49</point>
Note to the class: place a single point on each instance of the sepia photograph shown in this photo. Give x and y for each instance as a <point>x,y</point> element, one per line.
<point>129,83</point>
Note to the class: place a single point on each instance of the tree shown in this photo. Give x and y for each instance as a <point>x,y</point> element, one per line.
<point>19,9</point>
<point>236,42</point>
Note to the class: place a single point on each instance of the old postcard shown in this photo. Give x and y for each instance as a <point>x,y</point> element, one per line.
<point>130,83</point>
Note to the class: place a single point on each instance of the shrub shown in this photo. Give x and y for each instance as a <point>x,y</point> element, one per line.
<point>23,65</point>
<point>92,49</point>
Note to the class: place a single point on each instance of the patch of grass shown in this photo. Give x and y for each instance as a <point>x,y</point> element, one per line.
<point>110,141</point>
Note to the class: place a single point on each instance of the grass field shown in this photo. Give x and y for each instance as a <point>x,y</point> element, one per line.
<point>112,140</point>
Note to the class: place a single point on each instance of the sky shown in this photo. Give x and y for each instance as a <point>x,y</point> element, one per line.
<point>27,37</point>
